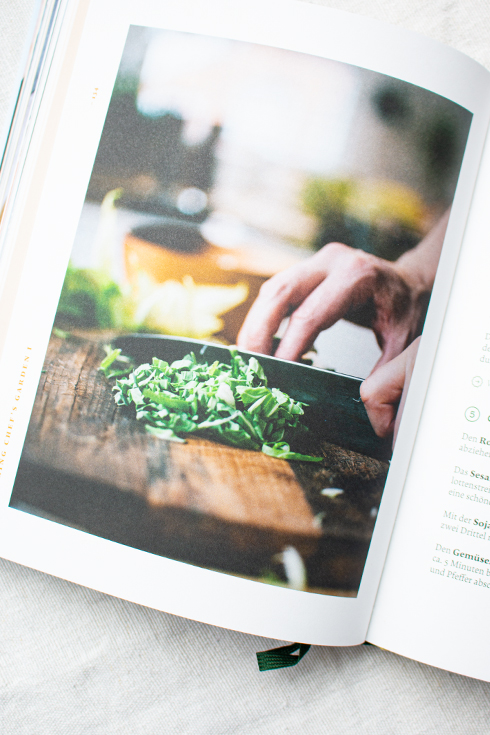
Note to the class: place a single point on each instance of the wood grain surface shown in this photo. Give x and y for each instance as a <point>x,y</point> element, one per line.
<point>90,464</point>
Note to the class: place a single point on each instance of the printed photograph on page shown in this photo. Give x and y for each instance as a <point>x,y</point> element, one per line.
<point>242,308</point>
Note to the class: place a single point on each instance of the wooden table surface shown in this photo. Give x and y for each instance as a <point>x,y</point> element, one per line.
<point>90,464</point>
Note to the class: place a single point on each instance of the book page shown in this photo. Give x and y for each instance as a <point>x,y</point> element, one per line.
<point>215,180</point>
<point>436,580</point>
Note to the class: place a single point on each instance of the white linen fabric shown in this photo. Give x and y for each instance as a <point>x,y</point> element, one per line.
<point>76,661</point>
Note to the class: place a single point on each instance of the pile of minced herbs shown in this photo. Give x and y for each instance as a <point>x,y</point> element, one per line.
<point>229,403</point>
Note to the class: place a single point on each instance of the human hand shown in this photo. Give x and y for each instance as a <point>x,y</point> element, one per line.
<point>339,281</point>
<point>384,392</point>
<point>327,287</point>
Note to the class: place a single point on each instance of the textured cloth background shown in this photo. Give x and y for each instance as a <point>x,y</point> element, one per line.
<point>76,661</point>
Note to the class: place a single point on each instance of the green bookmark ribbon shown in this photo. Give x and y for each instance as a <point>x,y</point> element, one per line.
<point>279,658</point>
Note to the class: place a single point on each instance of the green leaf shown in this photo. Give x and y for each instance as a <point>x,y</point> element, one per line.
<point>281,451</point>
<point>109,359</point>
<point>166,434</point>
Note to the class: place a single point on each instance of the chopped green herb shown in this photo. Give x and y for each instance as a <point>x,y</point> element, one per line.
<point>281,451</point>
<point>229,403</point>
<point>113,357</point>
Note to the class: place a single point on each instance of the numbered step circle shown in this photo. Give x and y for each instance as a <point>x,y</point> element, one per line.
<point>472,414</point>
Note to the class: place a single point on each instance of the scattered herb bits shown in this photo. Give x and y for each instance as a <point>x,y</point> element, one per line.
<point>229,403</point>
<point>114,364</point>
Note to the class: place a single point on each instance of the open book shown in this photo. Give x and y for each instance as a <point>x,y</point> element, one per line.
<point>245,341</point>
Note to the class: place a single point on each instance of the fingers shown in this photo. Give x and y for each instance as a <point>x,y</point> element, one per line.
<point>276,298</point>
<point>322,290</point>
<point>411,353</point>
<point>321,309</point>
<point>395,341</point>
<point>384,391</point>
<point>381,393</point>
<point>318,292</point>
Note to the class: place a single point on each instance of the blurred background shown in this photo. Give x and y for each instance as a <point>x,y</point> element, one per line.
<point>221,163</point>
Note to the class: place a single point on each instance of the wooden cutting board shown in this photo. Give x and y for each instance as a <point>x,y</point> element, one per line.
<point>90,464</point>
